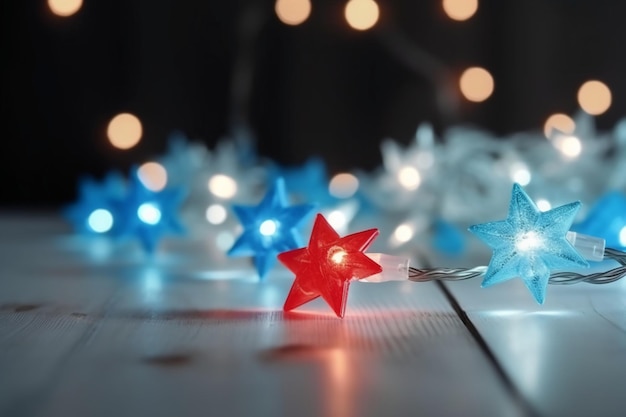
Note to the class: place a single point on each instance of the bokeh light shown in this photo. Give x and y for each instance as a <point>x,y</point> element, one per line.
<point>65,8</point>
<point>409,177</point>
<point>622,236</point>
<point>569,146</point>
<point>594,97</point>
<point>292,12</point>
<point>520,174</point>
<point>149,213</point>
<point>543,204</point>
<point>460,9</point>
<point>476,84</point>
<point>100,221</point>
<point>559,122</point>
<point>362,14</point>
<point>223,186</point>
<point>403,233</point>
<point>337,219</point>
<point>153,176</point>
<point>124,131</point>
<point>343,185</point>
<point>216,214</point>
<point>268,227</point>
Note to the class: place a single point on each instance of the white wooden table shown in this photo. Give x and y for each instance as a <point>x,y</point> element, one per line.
<point>92,330</point>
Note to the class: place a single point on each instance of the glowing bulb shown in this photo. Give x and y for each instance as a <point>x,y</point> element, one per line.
<point>343,185</point>
<point>124,131</point>
<point>362,14</point>
<point>460,9</point>
<point>561,122</point>
<point>476,84</point>
<point>622,236</point>
<point>65,8</point>
<point>338,256</point>
<point>100,221</point>
<point>223,186</point>
<point>153,176</point>
<point>268,228</point>
<point>594,97</point>
<point>409,178</point>
<point>337,219</point>
<point>569,146</point>
<point>292,12</point>
<point>543,205</point>
<point>520,174</point>
<point>528,241</point>
<point>216,214</point>
<point>149,213</point>
<point>403,233</point>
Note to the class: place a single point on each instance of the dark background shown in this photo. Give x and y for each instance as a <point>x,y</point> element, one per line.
<point>320,88</point>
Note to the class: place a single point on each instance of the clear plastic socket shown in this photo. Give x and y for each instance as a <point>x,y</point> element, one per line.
<point>590,247</point>
<point>395,268</point>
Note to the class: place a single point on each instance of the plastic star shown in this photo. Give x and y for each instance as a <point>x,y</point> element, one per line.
<point>93,212</point>
<point>148,215</point>
<point>269,228</point>
<point>308,182</point>
<point>326,267</point>
<point>529,243</point>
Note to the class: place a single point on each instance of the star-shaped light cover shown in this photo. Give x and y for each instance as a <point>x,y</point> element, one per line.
<point>93,212</point>
<point>147,215</point>
<point>327,265</point>
<point>269,228</point>
<point>529,243</point>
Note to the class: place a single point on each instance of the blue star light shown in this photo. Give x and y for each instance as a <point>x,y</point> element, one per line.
<point>146,214</point>
<point>269,228</point>
<point>93,212</point>
<point>529,243</point>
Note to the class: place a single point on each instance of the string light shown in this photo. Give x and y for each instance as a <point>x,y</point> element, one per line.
<point>149,213</point>
<point>569,146</point>
<point>100,221</point>
<point>124,131</point>
<point>292,12</point>
<point>543,205</point>
<point>153,176</point>
<point>476,84</point>
<point>560,122</point>
<point>343,185</point>
<point>223,186</point>
<point>65,8</point>
<point>594,97</point>
<point>403,233</point>
<point>409,177</point>
<point>268,227</point>
<point>216,214</point>
<point>460,9</point>
<point>362,14</point>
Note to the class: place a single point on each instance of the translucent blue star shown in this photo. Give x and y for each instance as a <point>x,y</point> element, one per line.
<point>308,182</point>
<point>269,228</point>
<point>529,243</point>
<point>93,212</point>
<point>147,215</point>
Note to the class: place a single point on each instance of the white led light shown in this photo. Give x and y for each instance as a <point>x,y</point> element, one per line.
<point>216,214</point>
<point>338,256</point>
<point>403,233</point>
<point>149,213</point>
<point>268,228</point>
<point>528,241</point>
<point>622,236</point>
<point>337,219</point>
<point>543,205</point>
<point>409,178</point>
<point>100,221</point>
<point>223,186</point>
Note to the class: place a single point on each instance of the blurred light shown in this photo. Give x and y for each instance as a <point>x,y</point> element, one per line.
<point>622,236</point>
<point>460,9</point>
<point>224,240</point>
<point>100,221</point>
<point>124,131</point>
<point>292,12</point>
<point>216,214</point>
<point>594,97</point>
<point>337,219</point>
<point>560,122</point>
<point>403,233</point>
<point>343,185</point>
<point>223,186</point>
<point>543,205</point>
<point>569,146</point>
<point>409,178</point>
<point>268,227</point>
<point>362,14</point>
<point>65,7</point>
<point>528,241</point>
<point>520,174</point>
<point>149,213</point>
<point>153,176</point>
<point>476,84</point>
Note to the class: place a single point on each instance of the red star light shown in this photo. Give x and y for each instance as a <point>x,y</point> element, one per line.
<point>326,267</point>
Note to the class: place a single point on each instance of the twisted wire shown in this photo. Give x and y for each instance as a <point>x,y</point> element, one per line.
<point>557,278</point>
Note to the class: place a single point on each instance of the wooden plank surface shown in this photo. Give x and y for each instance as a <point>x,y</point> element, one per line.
<point>89,329</point>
